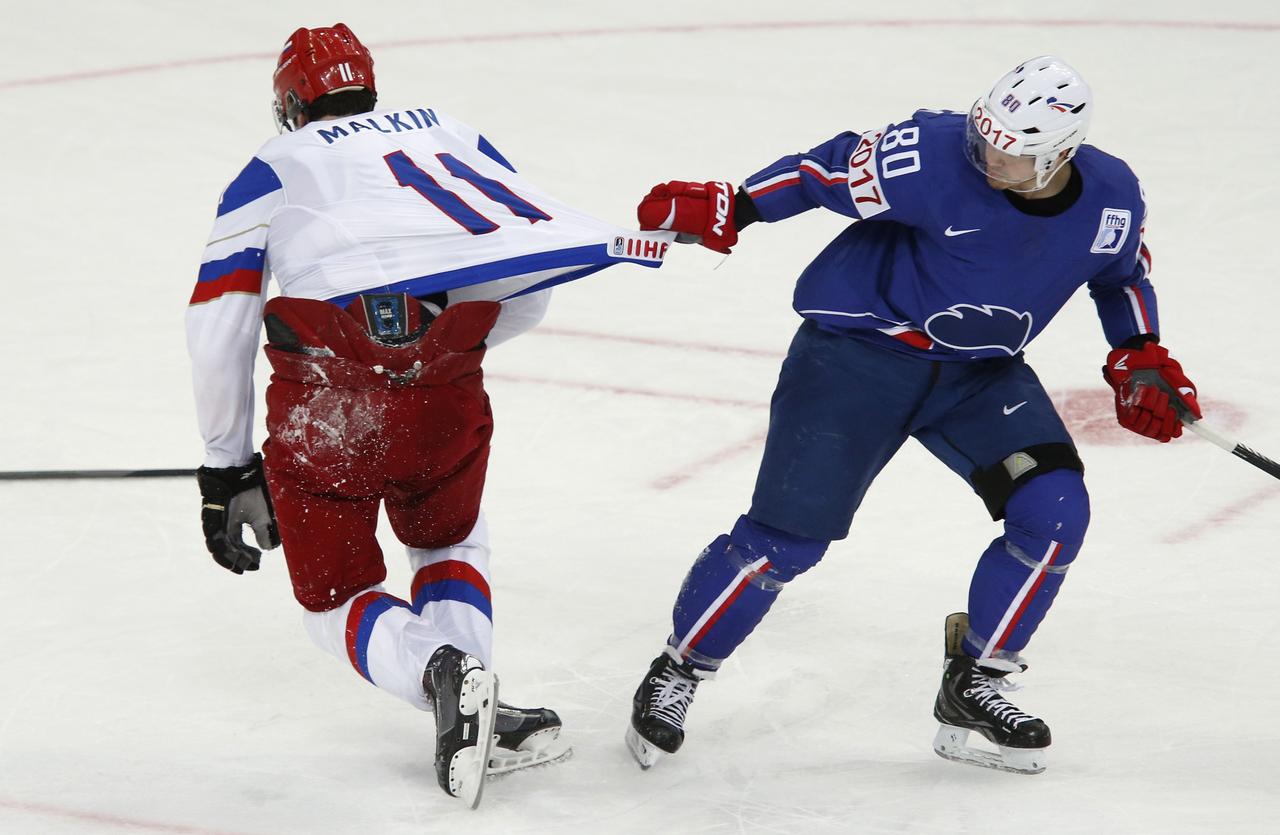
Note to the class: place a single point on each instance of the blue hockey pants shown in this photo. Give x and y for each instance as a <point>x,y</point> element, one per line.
<point>842,408</point>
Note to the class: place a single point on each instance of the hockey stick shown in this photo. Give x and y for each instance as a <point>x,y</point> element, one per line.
<point>1258,460</point>
<point>68,475</point>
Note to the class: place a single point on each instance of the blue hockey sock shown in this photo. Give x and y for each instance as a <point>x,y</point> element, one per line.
<point>731,586</point>
<point>1019,574</point>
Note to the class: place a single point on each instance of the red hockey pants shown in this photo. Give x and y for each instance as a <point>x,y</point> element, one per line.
<point>407,425</point>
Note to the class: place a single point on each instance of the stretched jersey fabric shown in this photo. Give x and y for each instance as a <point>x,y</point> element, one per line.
<point>407,200</point>
<point>944,264</point>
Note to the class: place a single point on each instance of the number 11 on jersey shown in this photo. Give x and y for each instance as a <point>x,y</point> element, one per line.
<point>409,175</point>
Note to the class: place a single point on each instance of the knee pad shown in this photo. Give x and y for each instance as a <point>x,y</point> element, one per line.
<point>997,483</point>
<point>731,587</point>
<point>789,555</point>
<point>1020,573</point>
<point>1053,507</point>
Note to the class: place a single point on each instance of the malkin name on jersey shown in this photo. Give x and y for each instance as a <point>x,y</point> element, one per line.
<point>394,122</point>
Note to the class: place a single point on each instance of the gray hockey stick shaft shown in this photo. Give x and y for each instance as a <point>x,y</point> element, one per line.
<point>69,475</point>
<point>1239,450</point>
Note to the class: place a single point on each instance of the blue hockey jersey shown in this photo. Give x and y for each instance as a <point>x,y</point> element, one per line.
<point>944,264</point>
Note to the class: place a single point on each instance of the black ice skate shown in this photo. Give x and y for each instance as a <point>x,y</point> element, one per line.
<point>525,737</point>
<point>969,700</point>
<point>659,707</point>
<point>465,698</point>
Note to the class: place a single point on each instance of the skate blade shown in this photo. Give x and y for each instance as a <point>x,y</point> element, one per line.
<point>504,760</point>
<point>645,754</point>
<point>951,743</point>
<point>467,768</point>
<point>538,740</point>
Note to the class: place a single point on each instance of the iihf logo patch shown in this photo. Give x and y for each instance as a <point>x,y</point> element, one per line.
<point>645,249</point>
<point>1113,228</point>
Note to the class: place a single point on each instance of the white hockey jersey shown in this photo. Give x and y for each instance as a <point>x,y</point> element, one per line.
<point>388,201</point>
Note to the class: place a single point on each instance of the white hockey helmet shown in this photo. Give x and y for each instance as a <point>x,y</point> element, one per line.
<point>1038,110</point>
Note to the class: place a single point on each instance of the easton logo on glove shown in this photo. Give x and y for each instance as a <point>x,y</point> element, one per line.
<point>701,210</point>
<point>1152,393</point>
<point>724,197</point>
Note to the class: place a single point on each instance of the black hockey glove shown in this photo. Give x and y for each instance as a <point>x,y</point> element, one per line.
<point>233,497</point>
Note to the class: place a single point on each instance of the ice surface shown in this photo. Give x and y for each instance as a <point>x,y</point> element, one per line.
<point>145,689</point>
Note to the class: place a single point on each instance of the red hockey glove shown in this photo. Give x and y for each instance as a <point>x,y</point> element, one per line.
<point>1152,393</point>
<point>704,210</point>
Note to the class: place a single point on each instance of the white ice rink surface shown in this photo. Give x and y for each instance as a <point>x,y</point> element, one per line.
<point>144,689</point>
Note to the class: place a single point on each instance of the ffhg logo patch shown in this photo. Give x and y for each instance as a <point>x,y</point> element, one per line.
<point>1112,231</point>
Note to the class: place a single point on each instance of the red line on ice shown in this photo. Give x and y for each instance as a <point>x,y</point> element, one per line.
<point>720,456</point>
<point>101,817</point>
<point>1226,514</point>
<point>631,390</point>
<point>673,29</point>
<point>657,342</point>
<point>688,471</point>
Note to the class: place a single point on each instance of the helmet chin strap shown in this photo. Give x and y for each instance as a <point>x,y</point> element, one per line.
<point>1042,177</point>
<point>288,112</point>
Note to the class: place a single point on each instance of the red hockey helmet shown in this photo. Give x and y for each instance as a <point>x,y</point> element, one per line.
<point>315,62</point>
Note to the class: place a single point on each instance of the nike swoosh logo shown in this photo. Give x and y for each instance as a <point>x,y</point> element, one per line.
<point>671,218</point>
<point>951,233</point>
<point>1008,410</point>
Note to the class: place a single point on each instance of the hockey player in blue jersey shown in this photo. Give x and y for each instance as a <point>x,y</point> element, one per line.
<point>974,231</point>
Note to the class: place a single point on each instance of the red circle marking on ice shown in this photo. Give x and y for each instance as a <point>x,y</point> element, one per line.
<point>1090,416</point>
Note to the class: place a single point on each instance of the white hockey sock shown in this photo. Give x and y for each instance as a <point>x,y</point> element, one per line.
<point>380,636</point>
<point>451,592</point>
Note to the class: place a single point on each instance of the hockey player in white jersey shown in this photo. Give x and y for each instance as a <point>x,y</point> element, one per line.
<point>403,244</point>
